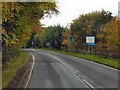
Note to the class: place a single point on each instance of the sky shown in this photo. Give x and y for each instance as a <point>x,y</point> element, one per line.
<point>72,9</point>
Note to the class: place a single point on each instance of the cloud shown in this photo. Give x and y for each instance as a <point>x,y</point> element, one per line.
<point>71,9</point>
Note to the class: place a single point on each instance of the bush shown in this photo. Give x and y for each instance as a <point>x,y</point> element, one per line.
<point>9,52</point>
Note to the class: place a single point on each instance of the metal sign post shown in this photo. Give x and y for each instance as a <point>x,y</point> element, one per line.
<point>90,41</point>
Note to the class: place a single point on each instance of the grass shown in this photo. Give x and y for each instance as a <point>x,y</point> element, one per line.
<point>12,67</point>
<point>95,58</point>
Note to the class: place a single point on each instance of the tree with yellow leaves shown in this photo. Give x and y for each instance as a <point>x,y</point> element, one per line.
<point>109,38</point>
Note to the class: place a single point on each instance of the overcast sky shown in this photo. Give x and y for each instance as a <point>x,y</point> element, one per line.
<point>71,9</point>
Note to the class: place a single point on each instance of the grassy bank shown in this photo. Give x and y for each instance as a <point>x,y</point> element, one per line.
<point>12,67</point>
<point>95,58</point>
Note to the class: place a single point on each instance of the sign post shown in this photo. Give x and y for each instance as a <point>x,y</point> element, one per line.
<point>90,41</point>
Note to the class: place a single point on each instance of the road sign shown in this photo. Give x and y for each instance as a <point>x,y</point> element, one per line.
<point>47,44</point>
<point>90,40</point>
<point>32,43</point>
<point>70,38</point>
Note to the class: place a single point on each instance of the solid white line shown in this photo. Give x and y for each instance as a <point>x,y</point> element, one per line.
<point>96,63</point>
<point>30,71</point>
<point>89,84</point>
<point>73,72</point>
<point>92,62</point>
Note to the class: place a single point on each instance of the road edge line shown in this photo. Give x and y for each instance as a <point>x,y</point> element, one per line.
<point>89,85</point>
<point>97,63</point>
<point>30,71</point>
<point>100,64</point>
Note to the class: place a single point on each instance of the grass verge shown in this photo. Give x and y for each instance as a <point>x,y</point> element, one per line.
<point>95,58</point>
<point>12,68</point>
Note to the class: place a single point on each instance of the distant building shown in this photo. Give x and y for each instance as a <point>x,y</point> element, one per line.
<point>119,10</point>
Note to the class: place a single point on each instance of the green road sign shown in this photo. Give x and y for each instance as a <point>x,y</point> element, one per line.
<point>71,39</point>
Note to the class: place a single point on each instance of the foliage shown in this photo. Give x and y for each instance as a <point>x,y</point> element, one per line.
<point>19,20</point>
<point>65,35</point>
<point>12,66</point>
<point>108,38</point>
<point>34,41</point>
<point>10,52</point>
<point>95,58</point>
<point>53,35</point>
<point>88,25</point>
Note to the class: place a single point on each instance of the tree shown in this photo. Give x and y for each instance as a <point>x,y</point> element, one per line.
<point>18,20</point>
<point>109,38</point>
<point>80,28</point>
<point>53,35</point>
<point>65,35</point>
<point>88,25</point>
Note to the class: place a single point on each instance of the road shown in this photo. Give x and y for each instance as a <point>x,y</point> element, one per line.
<point>55,70</point>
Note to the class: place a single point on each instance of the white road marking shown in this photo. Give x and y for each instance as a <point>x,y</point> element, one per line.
<point>96,63</point>
<point>88,84</point>
<point>72,71</point>
<point>90,61</point>
<point>30,71</point>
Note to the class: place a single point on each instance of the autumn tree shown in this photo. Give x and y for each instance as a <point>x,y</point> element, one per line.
<point>18,20</point>
<point>80,28</point>
<point>65,41</point>
<point>109,38</point>
<point>88,25</point>
<point>53,35</point>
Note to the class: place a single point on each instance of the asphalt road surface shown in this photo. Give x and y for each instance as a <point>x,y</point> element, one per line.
<point>55,70</point>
